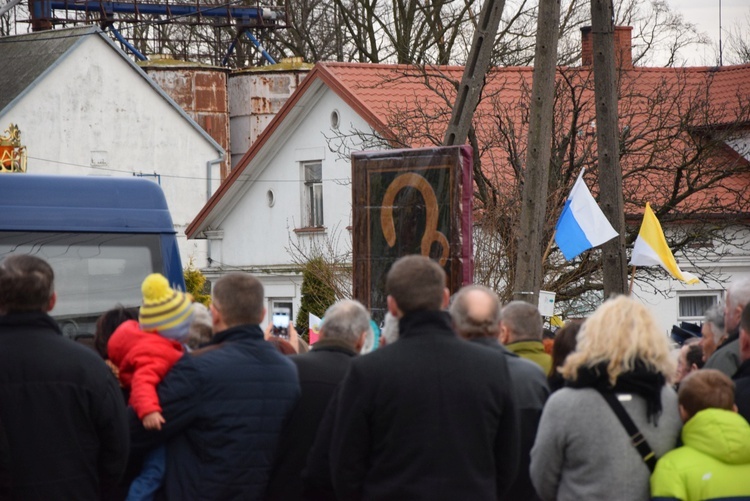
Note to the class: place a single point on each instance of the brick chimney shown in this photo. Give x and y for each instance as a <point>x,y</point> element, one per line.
<point>623,46</point>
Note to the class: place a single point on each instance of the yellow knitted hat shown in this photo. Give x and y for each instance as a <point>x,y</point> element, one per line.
<point>163,307</point>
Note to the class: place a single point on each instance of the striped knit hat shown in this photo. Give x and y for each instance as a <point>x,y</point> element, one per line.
<point>163,308</point>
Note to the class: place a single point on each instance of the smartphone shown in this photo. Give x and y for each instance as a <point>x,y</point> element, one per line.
<point>280,321</point>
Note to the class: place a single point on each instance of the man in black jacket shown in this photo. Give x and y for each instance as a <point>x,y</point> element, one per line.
<point>224,405</point>
<point>476,318</point>
<point>62,412</point>
<point>345,327</point>
<point>429,417</point>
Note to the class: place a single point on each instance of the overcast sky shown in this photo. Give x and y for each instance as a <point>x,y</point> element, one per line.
<point>705,14</point>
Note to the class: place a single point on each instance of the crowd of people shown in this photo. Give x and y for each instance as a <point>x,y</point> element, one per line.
<point>462,400</point>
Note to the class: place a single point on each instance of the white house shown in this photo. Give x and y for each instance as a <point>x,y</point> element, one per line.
<point>85,108</point>
<point>292,189</point>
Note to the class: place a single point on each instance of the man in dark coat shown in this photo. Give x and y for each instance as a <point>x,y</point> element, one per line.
<point>742,376</point>
<point>64,425</point>
<point>344,330</point>
<point>521,331</point>
<point>476,318</point>
<point>225,404</point>
<point>429,417</point>
<point>727,358</point>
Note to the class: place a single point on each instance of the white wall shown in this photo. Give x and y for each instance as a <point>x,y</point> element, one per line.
<point>662,295</point>
<point>94,114</point>
<point>258,237</point>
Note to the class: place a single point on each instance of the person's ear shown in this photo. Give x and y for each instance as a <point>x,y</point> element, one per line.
<point>504,334</point>
<point>735,409</point>
<point>393,308</point>
<point>52,302</point>
<point>684,414</point>
<point>216,318</point>
<point>446,298</point>
<point>360,342</point>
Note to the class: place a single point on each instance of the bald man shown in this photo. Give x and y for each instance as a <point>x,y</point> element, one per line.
<point>476,318</point>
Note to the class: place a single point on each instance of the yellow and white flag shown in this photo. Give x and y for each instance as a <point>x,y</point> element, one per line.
<point>651,249</point>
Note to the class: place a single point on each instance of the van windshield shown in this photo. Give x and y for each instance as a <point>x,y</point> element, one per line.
<point>94,272</point>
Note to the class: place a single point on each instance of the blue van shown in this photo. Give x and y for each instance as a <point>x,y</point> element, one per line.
<point>102,236</point>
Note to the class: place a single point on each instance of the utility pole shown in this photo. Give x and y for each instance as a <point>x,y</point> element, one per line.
<point>528,269</point>
<point>472,80</point>
<point>614,265</point>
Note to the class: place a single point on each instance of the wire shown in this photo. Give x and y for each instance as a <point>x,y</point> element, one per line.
<point>174,176</point>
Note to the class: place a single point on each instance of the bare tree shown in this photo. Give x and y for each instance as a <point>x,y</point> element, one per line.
<point>674,137</point>
<point>738,42</point>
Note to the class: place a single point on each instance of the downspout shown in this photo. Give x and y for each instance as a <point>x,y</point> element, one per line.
<point>210,164</point>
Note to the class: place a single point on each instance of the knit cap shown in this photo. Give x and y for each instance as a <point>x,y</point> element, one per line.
<point>164,310</point>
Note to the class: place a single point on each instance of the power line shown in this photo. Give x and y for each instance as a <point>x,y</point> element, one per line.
<point>175,176</point>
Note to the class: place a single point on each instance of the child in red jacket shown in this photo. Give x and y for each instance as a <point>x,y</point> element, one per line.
<point>144,351</point>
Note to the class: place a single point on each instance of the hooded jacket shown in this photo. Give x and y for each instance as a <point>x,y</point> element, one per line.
<point>714,463</point>
<point>143,358</point>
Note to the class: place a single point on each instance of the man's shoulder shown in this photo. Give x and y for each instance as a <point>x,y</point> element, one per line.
<point>526,369</point>
<point>241,355</point>
<point>322,360</point>
<point>454,350</point>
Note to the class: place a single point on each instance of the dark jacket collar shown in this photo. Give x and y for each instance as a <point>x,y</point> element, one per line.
<point>336,345</point>
<point>29,319</point>
<point>492,342</point>
<point>731,336</point>
<point>425,322</point>
<point>237,333</point>
<point>743,371</point>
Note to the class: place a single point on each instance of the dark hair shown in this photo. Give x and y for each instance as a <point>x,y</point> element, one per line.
<point>523,320</point>
<point>564,345</point>
<point>694,355</point>
<point>106,325</point>
<point>26,284</point>
<point>416,283</point>
<point>239,299</point>
<point>706,389</point>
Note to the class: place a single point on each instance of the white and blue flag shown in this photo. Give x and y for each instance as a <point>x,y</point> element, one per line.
<point>582,224</point>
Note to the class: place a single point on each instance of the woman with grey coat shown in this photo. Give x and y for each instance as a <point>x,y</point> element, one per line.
<point>582,450</point>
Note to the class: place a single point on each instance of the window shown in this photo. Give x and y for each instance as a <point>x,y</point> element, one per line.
<point>93,271</point>
<point>693,306</point>
<point>313,203</point>
<point>282,303</point>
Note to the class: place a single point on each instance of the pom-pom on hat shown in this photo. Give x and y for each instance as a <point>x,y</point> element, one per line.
<point>163,308</point>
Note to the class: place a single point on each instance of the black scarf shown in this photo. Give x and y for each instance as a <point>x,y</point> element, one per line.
<point>641,381</point>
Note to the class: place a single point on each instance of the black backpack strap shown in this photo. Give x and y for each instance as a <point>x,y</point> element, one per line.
<point>636,437</point>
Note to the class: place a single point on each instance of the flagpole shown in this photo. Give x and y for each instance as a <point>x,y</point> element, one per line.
<point>632,279</point>
<point>549,247</point>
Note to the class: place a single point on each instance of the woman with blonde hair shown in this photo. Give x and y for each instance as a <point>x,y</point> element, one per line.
<point>582,449</point>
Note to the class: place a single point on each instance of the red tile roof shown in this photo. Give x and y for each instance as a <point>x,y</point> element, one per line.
<point>398,100</point>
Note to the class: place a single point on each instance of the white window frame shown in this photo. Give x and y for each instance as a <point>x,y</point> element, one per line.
<point>281,302</point>
<point>312,196</point>
<point>716,294</point>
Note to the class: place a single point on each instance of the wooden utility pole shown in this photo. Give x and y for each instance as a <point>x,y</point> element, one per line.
<point>528,270</point>
<point>475,70</point>
<point>614,265</point>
